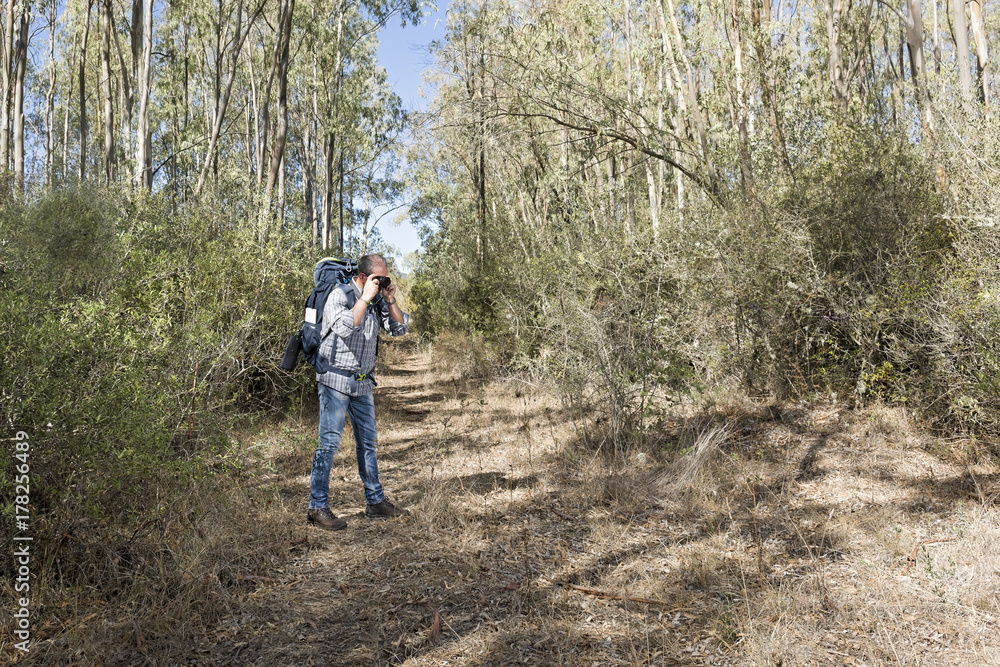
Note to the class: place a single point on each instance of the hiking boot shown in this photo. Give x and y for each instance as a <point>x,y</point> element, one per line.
<point>384,510</point>
<point>324,518</point>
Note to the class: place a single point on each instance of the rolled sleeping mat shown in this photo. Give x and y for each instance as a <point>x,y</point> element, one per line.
<point>292,353</point>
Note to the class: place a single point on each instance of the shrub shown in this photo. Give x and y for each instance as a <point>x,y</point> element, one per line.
<point>132,341</point>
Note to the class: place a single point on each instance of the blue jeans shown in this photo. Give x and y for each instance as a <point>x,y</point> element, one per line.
<point>333,410</point>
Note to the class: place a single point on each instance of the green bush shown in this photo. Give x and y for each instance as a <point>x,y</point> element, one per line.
<point>863,278</point>
<point>133,340</point>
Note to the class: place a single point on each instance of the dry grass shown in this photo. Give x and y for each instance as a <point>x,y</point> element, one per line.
<point>757,535</point>
<point>107,591</point>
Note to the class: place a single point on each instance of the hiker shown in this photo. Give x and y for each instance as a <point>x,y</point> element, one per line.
<point>350,328</point>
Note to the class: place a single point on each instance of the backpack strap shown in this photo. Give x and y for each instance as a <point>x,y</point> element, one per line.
<point>348,291</point>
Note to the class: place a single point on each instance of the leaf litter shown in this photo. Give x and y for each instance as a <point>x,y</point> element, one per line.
<point>797,535</point>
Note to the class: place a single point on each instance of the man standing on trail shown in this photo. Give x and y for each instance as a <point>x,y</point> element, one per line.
<point>350,339</point>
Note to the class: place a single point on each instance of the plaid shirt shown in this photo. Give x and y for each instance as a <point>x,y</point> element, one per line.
<point>352,348</point>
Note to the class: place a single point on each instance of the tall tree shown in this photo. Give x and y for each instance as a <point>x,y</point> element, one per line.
<point>329,138</point>
<point>6,85</point>
<point>915,44</point>
<point>68,106</point>
<point>281,133</point>
<point>742,102</point>
<point>20,68</point>
<point>982,50</point>
<point>239,38</point>
<point>962,54</point>
<point>107,90</point>
<point>50,110</point>
<point>82,82</point>
<point>143,142</point>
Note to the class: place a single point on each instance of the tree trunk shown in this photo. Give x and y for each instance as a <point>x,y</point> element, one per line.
<point>107,90</point>
<point>915,45</point>
<point>282,191</point>
<point>255,167</point>
<point>962,52</point>
<point>350,222</point>
<point>675,86</point>
<point>83,94</point>
<point>127,91</point>
<point>979,34</point>
<point>136,27</point>
<point>307,180</point>
<point>6,62</point>
<point>223,103</point>
<point>143,140</point>
<point>281,135</point>
<point>175,132</point>
<point>312,147</point>
<point>187,105</point>
<point>50,96</point>
<point>742,106</point>
<point>217,86</point>
<point>266,102</point>
<point>327,190</point>
<point>937,40</point>
<point>693,106</point>
<point>69,105</point>
<point>340,195</point>
<point>21,64</point>
<point>250,139</point>
<point>333,149</point>
<point>836,64</point>
<point>630,219</point>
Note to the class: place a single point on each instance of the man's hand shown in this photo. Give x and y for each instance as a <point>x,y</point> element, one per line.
<point>370,291</point>
<point>389,293</point>
<point>368,294</point>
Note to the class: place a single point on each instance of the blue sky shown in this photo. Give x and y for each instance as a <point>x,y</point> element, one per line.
<point>403,53</point>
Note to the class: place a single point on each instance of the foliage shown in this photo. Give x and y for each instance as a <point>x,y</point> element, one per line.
<point>134,343</point>
<point>673,198</point>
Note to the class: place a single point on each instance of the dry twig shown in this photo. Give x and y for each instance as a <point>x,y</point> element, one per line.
<point>912,560</point>
<point>603,594</point>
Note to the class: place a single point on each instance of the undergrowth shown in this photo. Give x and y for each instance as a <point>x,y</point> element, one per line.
<point>135,342</point>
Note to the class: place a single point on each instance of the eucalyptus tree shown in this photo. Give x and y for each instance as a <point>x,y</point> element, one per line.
<point>962,53</point>
<point>50,98</point>
<point>6,82</point>
<point>280,66</point>
<point>20,69</point>
<point>107,92</point>
<point>236,41</point>
<point>982,48</point>
<point>82,83</point>
<point>144,132</point>
<point>376,164</point>
<point>250,99</point>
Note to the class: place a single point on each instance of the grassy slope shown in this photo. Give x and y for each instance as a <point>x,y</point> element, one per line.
<point>751,535</point>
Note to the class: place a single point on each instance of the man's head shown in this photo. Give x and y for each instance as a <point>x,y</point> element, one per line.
<point>373,265</point>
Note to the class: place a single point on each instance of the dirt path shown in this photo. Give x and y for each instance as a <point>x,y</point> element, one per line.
<point>749,536</point>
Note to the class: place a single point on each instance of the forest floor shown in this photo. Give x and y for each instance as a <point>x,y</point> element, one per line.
<point>791,535</point>
<point>746,534</point>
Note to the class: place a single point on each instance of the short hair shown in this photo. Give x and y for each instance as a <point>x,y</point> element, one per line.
<point>367,263</point>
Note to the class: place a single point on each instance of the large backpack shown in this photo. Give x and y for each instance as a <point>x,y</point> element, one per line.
<point>330,273</point>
